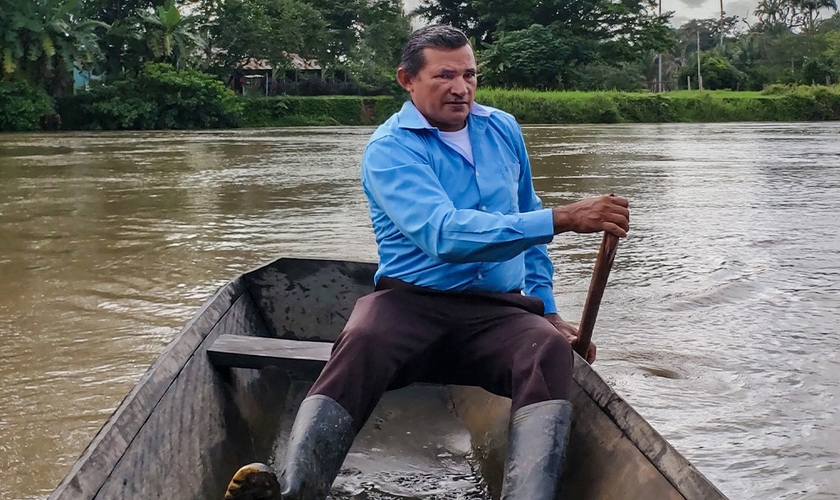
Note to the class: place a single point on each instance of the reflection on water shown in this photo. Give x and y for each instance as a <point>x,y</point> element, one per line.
<point>720,324</point>
<point>421,454</point>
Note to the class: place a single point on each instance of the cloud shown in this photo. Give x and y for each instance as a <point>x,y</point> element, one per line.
<point>741,8</point>
<point>677,21</point>
<point>692,3</point>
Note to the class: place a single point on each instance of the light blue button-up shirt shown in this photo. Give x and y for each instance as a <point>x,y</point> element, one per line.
<point>444,223</point>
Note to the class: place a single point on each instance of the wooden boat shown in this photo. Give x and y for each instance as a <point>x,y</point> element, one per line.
<point>225,391</point>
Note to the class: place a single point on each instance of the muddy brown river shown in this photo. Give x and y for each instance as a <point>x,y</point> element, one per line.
<point>720,325</point>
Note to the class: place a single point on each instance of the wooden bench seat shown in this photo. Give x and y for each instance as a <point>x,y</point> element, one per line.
<point>238,351</point>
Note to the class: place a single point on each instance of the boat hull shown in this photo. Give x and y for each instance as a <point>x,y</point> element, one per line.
<point>187,425</point>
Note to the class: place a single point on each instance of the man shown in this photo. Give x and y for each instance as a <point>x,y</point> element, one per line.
<point>464,285</point>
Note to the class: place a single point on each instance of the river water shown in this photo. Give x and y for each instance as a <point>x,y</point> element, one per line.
<point>721,323</point>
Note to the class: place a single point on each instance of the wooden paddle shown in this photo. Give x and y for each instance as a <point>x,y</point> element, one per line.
<point>603,265</point>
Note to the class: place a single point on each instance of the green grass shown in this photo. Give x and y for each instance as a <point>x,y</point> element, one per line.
<point>775,104</point>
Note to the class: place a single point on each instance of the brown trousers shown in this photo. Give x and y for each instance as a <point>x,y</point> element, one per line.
<point>403,333</point>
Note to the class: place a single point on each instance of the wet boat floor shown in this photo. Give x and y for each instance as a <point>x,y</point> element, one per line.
<point>413,447</point>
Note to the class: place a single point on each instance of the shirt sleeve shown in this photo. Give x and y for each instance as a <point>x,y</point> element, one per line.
<point>539,270</point>
<point>400,181</point>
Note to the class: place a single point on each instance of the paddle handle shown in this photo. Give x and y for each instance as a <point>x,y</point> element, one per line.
<point>603,265</point>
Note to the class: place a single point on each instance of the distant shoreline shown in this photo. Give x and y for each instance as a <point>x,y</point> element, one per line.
<point>533,107</point>
<point>777,104</point>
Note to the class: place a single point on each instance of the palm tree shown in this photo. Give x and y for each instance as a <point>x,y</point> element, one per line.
<point>170,36</point>
<point>768,11</point>
<point>810,11</point>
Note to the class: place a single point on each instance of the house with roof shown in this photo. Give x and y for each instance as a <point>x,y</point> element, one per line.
<point>256,76</point>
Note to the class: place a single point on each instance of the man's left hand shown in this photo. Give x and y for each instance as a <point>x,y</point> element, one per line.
<point>570,333</point>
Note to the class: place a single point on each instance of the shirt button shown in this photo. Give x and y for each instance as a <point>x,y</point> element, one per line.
<point>477,174</point>
<point>484,208</point>
<point>480,276</point>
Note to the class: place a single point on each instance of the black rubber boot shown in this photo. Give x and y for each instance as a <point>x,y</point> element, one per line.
<point>320,439</point>
<point>539,434</point>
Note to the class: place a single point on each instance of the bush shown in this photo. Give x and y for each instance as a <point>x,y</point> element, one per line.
<point>331,110</point>
<point>23,107</point>
<point>718,73</point>
<point>527,58</point>
<point>818,71</point>
<point>158,97</point>
<point>779,104</point>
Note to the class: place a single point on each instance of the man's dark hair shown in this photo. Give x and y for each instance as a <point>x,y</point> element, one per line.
<point>436,36</point>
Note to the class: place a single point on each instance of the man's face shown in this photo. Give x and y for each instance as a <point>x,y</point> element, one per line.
<point>444,88</point>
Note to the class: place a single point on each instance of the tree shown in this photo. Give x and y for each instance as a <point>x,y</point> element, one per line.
<point>810,11</point>
<point>44,39</point>
<point>830,24</point>
<point>110,11</point>
<point>343,27</point>
<point>748,54</point>
<point>374,59</point>
<point>121,41</point>
<point>774,15</point>
<point>262,29</point>
<point>169,36</point>
<point>818,71</point>
<point>583,32</point>
<point>529,58</point>
<point>710,34</point>
<point>628,21</point>
<point>363,38</point>
<point>718,73</point>
<point>463,14</point>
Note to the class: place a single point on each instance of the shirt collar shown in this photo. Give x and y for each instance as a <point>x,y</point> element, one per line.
<point>411,118</point>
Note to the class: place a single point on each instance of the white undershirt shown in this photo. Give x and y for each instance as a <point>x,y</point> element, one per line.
<point>460,141</point>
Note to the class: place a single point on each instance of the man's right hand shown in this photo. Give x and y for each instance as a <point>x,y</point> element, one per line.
<point>603,213</point>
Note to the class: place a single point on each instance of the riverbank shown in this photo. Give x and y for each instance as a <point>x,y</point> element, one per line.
<point>779,104</point>
<point>220,109</point>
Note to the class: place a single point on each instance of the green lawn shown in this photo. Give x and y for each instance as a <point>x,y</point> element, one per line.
<point>776,104</point>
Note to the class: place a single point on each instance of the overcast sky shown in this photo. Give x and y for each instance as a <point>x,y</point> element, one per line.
<point>687,9</point>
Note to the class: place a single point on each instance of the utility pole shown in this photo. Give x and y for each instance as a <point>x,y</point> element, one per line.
<point>659,87</point>
<point>721,23</point>
<point>699,76</point>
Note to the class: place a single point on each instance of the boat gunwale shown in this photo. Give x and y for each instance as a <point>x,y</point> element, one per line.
<point>96,464</point>
<point>677,470</point>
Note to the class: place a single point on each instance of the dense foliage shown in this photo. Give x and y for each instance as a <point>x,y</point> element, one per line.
<point>778,103</point>
<point>352,47</point>
<point>791,44</point>
<point>157,97</point>
<point>305,111</point>
<point>22,107</point>
<point>359,38</point>
<point>551,43</point>
<point>41,41</point>
<point>600,44</point>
